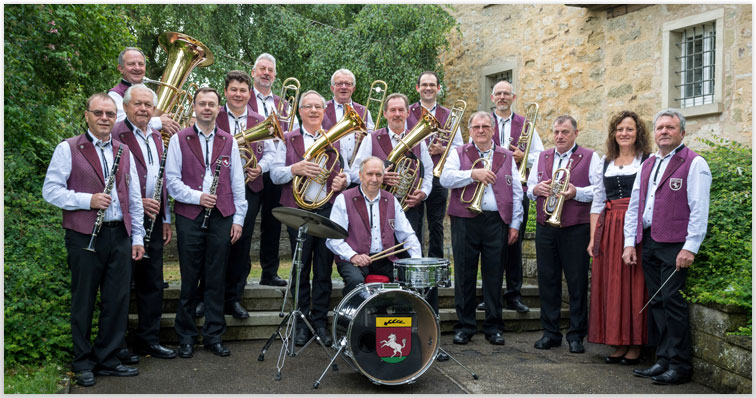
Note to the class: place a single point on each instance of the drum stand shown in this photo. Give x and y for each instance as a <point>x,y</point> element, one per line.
<point>294,316</point>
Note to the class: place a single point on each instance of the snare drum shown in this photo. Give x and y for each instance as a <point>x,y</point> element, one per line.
<point>419,273</point>
<point>390,333</point>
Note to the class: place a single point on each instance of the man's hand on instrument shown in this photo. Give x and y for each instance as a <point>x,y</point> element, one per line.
<point>339,182</point>
<point>151,207</point>
<point>253,173</point>
<point>169,124</point>
<point>305,168</point>
<point>391,178</point>
<point>513,235</point>
<point>208,200</point>
<point>236,231</point>
<point>629,256</point>
<point>414,198</point>
<point>99,201</point>
<point>684,259</point>
<point>518,154</point>
<point>167,233</point>
<point>137,252</point>
<point>543,188</point>
<point>435,148</point>
<point>570,193</point>
<point>483,175</point>
<point>360,260</point>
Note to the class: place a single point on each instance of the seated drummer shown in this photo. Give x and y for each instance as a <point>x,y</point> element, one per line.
<point>369,206</point>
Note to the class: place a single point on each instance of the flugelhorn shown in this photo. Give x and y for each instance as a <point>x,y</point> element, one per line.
<point>376,95</point>
<point>287,115</point>
<point>268,129</point>
<point>476,200</point>
<point>526,138</point>
<point>446,134</point>
<point>560,182</point>
<point>311,193</point>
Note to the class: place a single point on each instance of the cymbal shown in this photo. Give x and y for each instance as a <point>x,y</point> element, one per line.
<point>317,225</point>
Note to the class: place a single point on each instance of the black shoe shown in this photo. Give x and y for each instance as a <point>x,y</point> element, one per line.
<point>496,338</point>
<point>610,359</point>
<point>303,335</point>
<point>274,281</point>
<point>442,357</point>
<point>127,357</point>
<point>199,312</point>
<point>85,378</point>
<point>546,343</point>
<point>156,351</point>
<point>481,307</point>
<point>186,350</point>
<point>165,285</point>
<point>517,305</point>
<point>325,337</point>
<point>120,371</point>
<point>576,347</point>
<point>628,361</point>
<point>218,349</point>
<point>655,370</point>
<point>237,311</point>
<point>461,337</point>
<point>671,376</point>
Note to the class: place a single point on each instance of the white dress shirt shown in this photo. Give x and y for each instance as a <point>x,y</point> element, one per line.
<point>599,193</point>
<point>505,137</point>
<point>155,122</point>
<point>151,159</point>
<point>55,188</point>
<point>452,177</point>
<point>232,121</point>
<point>266,104</point>
<point>583,194</point>
<point>185,194</point>
<point>402,228</point>
<point>280,173</point>
<point>699,184</point>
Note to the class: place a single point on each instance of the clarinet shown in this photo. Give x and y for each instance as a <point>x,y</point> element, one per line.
<point>101,213</point>
<point>157,195</point>
<point>213,188</point>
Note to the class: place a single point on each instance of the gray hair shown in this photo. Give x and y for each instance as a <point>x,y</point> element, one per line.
<point>343,72</point>
<point>480,113</point>
<point>564,118</point>
<point>265,56</point>
<point>120,56</point>
<point>140,86</point>
<point>671,112</point>
<point>503,81</point>
<point>312,92</point>
<point>396,95</point>
<point>366,160</point>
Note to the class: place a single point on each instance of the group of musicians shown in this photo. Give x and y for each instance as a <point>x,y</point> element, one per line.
<point>217,198</point>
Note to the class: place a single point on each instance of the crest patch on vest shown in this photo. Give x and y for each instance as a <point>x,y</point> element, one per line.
<point>675,184</point>
<point>226,161</point>
<point>259,149</point>
<point>540,175</point>
<point>391,223</point>
<point>508,178</point>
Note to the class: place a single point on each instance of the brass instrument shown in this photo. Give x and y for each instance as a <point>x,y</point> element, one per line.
<point>405,163</point>
<point>307,195</point>
<point>380,88</point>
<point>526,138</point>
<point>555,202</point>
<point>108,188</point>
<point>156,195</point>
<point>269,128</point>
<point>446,134</point>
<point>213,189</point>
<point>477,199</point>
<point>287,116</point>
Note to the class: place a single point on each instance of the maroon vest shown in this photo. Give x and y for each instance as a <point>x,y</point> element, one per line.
<point>253,119</point>
<point>330,114</point>
<point>358,233</point>
<point>121,88</point>
<point>416,113</point>
<point>573,212</point>
<point>671,210</point>
<point>87,176</point>
<point>514,132</point>
<point>193,171</point>
<point>381,141</point>
<point>123,131</point>
<point>294,153</point>
<point>502,189</point>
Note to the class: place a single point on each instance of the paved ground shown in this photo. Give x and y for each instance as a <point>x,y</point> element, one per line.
<point>515,368</point>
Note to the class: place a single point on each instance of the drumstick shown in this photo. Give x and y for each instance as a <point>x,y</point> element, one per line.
<point>387,250</point>
<point>374,258</point>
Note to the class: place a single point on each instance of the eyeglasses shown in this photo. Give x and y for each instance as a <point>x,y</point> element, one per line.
<point>98,113</point>
<point>343,84</point>
<point>481,127</point>
<point>312,106</point>
<point>503,94</point>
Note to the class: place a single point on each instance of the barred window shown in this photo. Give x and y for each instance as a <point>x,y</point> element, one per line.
<point>697,62</point>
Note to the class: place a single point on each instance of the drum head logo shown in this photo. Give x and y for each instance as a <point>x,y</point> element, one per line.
<point>675,184</point>
<point>393,337</point>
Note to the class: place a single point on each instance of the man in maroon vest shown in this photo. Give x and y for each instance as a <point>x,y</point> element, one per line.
<point>485,235</point>
<point>377,222</point>
<point>76,182</point>
<point>147,146</point>
<point>194,155</point>
<point>562,249</point>
<point>668,213</point>
<point>434,206</point>
<point>131,64</point>
<point>315,254</point>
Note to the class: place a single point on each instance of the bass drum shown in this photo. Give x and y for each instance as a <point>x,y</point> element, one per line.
<point>390,334</point>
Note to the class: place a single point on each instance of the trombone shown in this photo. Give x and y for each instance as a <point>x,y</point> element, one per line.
<point>380,88</point>
<point>526,138</point>
<point>290,84</point>
<point>446,134</point>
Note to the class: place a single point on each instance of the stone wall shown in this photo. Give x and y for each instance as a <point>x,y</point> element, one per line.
<point>574,60</point>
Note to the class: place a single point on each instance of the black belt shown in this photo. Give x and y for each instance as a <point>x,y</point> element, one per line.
<point>112,224</point>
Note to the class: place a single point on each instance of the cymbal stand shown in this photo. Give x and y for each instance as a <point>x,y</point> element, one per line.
<point>289,323</point>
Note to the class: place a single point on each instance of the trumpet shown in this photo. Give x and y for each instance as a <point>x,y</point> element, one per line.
<point>379,87</point>
<point>287,116</point>
<point>477,199</point>
<point>269,128</point>
<point>446,134</point>
<point>526,138</point>
<point>560,182</point>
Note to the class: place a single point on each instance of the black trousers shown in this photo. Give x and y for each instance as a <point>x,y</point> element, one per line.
<point>434,207</point>
<point>107,270</point>
<point>148,289</point>
<point>354,275</point>
<point>514,259</point>
<point>316,258</point>
<point>482,238</point>
<point>239,262</point>
<point>669,310</point>
<point>202,253</point>
<point>563,250</point>
<point>270,228</point>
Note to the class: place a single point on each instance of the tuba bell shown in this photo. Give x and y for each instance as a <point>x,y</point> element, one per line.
<point>446,134</point>
<point>311,193</point>
<point>268,129</point>
<point>560,182</point>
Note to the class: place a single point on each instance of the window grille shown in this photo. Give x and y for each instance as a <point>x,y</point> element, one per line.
<point>697,50</point>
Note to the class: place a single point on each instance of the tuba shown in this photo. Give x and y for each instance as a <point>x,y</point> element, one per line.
<point>311,193</point>
<point>379,87</point>
<point>405,163</point>
<point>269,128</point>
<point>446,134</point>
<point>477,198</point>
<point>526,138</point>
<point>287,116</point>
<point>553,205</point>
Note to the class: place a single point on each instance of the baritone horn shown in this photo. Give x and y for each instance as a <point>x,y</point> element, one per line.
<point>376,95</point>
<point>267,129</point>
<point>446,134</point>
<point>560,182</point>
<point>311,193</point>
<point>526,138</point>
<point>476,200</point>
<point>287,116</point>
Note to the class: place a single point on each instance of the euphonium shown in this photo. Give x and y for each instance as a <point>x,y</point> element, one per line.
<point>560,182</point>
<point>269,128</point>
<point>477,199</point>
<point>379,87</point>
<point>287,115</point>
<point>446,134</point>
<point>526,138</point>
<point>311,193</point>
